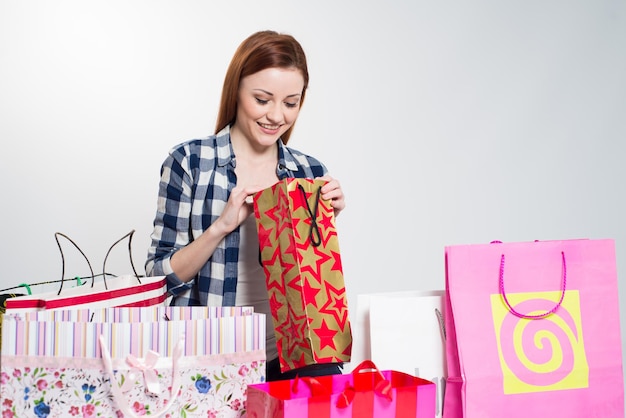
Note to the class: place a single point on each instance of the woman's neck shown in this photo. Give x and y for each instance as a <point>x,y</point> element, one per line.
<point>245,149</point>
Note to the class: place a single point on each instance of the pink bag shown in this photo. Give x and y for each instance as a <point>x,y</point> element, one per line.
<point>365,393</point>
<point>533,330</point>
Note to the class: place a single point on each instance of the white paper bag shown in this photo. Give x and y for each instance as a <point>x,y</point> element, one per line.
<point>403,331</point>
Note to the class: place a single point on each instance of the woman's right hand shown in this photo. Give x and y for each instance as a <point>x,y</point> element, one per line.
<point>238,208</point>
<point>189,260</point>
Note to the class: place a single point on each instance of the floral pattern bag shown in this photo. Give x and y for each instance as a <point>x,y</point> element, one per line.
<point>129,362</point>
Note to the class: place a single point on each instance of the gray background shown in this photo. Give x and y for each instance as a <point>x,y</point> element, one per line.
<point>447,122</point>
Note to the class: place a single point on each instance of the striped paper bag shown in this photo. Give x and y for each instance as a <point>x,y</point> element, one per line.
<point>113,362</point>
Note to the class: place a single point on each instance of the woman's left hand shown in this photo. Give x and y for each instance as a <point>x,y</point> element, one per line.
<point>332,191</point>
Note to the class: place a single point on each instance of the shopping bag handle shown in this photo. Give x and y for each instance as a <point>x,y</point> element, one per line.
<point>382,386</point>
<point>316,387</point>
<point>118,396</point>
<point>541,315</point>
<point>315,236</point>
<point>104,273</point>
<point>56,237</point>
<point>130,256</point>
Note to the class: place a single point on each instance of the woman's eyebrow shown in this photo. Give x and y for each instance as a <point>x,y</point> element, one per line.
<point>272,94</point>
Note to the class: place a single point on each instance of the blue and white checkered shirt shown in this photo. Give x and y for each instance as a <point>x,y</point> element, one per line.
<point>196,180</point>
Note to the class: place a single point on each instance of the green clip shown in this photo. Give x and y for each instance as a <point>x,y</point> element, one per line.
<point>27,288</point>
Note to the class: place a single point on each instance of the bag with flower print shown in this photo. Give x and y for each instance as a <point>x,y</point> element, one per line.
<point>128,362</point>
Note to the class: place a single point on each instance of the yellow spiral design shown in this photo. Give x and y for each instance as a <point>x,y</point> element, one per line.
<point>539,355</point>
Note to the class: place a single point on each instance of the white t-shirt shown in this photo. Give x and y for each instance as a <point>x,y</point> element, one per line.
<point>251,287</point>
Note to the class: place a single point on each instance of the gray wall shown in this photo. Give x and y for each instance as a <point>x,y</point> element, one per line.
<point>447,122</point>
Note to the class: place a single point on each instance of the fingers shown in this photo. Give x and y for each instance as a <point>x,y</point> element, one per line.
<point>237,208</point>
<point>332,191</point>
<point>245,194</point>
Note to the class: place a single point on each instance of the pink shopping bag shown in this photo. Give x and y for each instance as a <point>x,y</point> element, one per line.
<point>365,393</point>
<point>532,330</point>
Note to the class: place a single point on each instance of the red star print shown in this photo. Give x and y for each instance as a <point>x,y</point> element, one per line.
<point>273,276</point>
<point>275,306</point>
<point>309,292</point>
<point>348,351</point>
<point>327,222</point>
<point>336,304</point>
<point>300,362</point>
<point>325,226</point>
<point>285,266</point>
<point>298,323</point>
<point>294,330</point>
<point>295,221</point>
<point>296,197</point>
<point>325,206</point>
<point>284,222</point>
<point>291,247</point>
<point>295,285</point>
<point>327,230</point>
<point>325,360</point>
<point>264,237</point>
<point>326,336</point>
<point>317,256</point>
<point>278,214</point>
<point>337,264</point>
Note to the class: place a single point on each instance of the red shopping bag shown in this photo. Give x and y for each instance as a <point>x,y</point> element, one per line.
<point>365,393</point>
<point>120,291</point>
<point>301,259</point>
<point>532,330</point>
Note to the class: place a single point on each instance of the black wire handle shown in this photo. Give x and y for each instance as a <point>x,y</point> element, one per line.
<point>130,254</point>
<point>56,237</point>
<point>315,229</point>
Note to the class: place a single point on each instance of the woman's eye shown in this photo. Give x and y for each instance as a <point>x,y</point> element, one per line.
<point>261,101</point>
<point>291,105</point>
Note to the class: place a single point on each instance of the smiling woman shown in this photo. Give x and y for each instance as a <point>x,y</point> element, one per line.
<point>205,240</point>
<point>268,105</point>
<point>446,122</point>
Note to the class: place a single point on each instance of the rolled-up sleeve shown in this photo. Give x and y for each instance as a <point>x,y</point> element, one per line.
<point>171,223</point>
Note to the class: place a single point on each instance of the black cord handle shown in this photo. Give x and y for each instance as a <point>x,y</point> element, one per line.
<point>314,233</point>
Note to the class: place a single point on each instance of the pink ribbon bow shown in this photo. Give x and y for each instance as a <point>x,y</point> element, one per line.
<point>146,366</point>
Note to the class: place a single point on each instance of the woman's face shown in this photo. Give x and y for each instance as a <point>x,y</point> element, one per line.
<point>268,104</point>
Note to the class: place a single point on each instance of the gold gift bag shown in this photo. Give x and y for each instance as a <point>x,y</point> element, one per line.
<point>302,264</point>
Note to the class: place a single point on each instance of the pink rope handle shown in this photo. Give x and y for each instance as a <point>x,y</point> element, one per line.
<point>538,316</point>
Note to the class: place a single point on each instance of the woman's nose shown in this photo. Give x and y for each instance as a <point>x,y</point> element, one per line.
<point>275,114</point>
